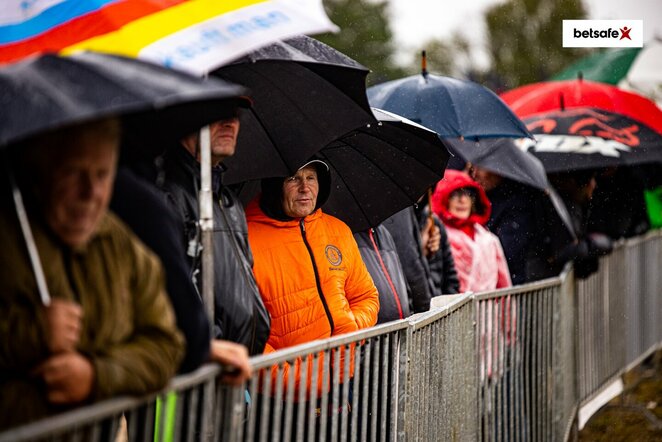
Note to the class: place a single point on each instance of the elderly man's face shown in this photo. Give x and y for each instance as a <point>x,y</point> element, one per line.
<point>300,193</point>
<point>78,186</point>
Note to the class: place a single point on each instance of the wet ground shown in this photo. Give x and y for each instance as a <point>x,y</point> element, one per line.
<point>635,415</point>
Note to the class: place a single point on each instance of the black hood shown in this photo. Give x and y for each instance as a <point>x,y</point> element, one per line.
<point>272,191</point>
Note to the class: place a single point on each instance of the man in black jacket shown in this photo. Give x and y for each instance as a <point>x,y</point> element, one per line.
<point>406,233</point>
<point>146,211</point>
<point>380,255</point>
<point>513,220</point>
<point>437,251</point>
<point>239,313</point>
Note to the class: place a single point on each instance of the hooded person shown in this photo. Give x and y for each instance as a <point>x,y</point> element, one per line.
<point>306,263</point>
<point>464,209</point>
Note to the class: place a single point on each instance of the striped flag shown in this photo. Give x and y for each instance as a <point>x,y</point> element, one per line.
<point>192,35</point>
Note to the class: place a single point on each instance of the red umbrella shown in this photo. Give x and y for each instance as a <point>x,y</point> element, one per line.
<point>562,95</point>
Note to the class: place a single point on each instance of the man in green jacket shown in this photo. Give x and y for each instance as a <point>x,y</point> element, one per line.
<point>109,329</point>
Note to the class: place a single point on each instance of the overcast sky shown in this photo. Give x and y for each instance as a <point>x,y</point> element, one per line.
<point>416,21</point>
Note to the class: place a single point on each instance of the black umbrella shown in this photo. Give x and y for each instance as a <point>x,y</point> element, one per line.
<point>587,138</point>
<point>376,170</point>
<point>382,168</point>
<point>51,92</point>
<point>305,95</point>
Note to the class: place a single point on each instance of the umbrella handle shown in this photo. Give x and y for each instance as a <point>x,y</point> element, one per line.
<point>424,64</point>
<point>33,253</point>
<point>430,204</point>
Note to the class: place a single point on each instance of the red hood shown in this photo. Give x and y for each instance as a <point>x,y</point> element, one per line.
<point>453,180</point>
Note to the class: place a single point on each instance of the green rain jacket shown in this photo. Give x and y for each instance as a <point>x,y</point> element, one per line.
<point>128,333</point>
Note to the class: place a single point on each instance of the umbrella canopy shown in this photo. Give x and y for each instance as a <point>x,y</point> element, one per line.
<point>376,170</point>
<point>192,35</point>
<point>559,95</point>
<point>645,73</point>
<point>503,157</point>
<point>49,92</point>
<point>451,107</point>
<point>608,66</point>
<point>305,95</point>
<point>382,168</point>
<point>587,138</point>
<point>637,69</point>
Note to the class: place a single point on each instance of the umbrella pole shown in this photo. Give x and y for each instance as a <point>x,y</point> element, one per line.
<point>206,233</point>
<point>206,223</point>
<point>29,239</point>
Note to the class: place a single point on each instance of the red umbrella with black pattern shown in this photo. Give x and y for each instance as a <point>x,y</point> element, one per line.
<point>589,138</point>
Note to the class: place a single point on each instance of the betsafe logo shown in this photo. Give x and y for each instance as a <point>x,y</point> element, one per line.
<point>609,33</point>
<point>603,33</point>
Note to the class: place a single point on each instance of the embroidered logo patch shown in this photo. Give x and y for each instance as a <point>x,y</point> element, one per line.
<point>333,255</point>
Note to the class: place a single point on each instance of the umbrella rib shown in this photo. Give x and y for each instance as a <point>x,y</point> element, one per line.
<point>270,137</point>
<point>390,144</point>
<point>396,183</point>
<point>351,193</point>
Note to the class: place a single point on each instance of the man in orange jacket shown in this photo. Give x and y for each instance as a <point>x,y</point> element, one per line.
<point>307,264</point>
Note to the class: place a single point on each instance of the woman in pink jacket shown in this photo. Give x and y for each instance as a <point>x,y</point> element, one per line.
<point>464,209</point>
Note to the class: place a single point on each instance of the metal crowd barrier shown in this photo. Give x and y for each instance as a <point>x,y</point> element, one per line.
<point>518,364</point>
<point>619,310</point>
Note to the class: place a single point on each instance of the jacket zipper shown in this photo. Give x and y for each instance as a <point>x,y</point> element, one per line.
<point>317,276</point>
<point>388,276</point>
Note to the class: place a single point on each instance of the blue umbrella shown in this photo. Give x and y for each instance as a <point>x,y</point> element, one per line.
<point>453,108</point>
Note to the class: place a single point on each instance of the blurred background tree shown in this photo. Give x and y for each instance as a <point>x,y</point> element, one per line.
<point>450,57</point>
<point>525,42</point>
<point>365,35</point>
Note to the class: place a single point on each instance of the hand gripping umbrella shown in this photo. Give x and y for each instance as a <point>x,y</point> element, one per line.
<point>51,92</point>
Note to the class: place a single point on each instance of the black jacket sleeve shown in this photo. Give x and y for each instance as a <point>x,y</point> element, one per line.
<point>146,212</point>
<point>442,264</point>
<point>406,235</point>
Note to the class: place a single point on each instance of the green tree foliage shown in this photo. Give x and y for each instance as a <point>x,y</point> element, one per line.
<point>365,35</point>
<point>524,39</point>
<point>448,57</point>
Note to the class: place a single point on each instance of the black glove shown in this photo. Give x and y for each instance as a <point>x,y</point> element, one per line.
<point>599,244</point>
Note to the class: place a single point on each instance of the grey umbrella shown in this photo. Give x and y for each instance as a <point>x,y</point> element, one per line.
<point>51,92</point>
<point>504,157</point>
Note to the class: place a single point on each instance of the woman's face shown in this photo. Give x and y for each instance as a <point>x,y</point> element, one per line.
<point>460,203</point>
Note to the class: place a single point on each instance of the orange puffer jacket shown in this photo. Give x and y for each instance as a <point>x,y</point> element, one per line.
<point>311,278</point>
